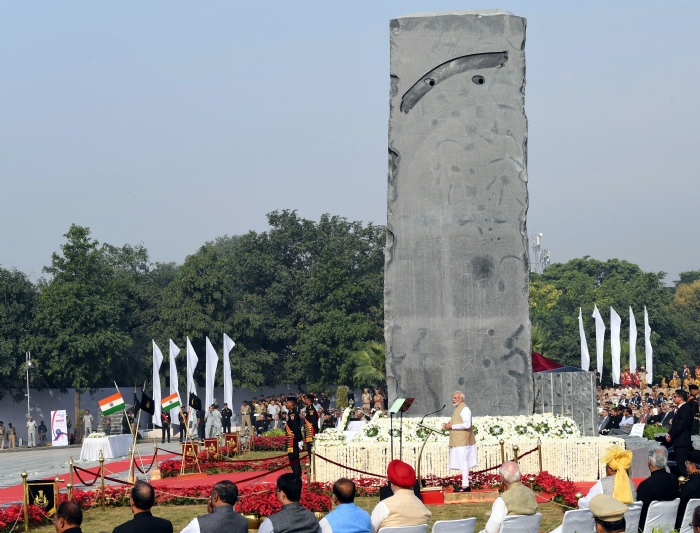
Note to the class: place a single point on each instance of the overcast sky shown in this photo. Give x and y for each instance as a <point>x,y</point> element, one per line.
<point>172,123</point>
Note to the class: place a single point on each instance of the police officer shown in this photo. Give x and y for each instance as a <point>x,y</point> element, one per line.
<point>226,415</point>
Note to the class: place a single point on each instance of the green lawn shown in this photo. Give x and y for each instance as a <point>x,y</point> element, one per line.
<point>96,521</point>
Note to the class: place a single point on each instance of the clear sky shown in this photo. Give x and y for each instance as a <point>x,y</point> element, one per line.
<point>172,123</point>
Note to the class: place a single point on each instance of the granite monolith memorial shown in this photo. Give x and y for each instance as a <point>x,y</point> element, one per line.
<point>457,267</point>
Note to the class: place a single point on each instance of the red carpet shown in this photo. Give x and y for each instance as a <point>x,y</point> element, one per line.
<point>14,493</point>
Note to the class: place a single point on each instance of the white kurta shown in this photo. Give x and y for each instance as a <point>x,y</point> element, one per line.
<point>463,457</point>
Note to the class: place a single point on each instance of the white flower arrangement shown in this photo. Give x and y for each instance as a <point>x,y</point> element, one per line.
<point>96,435</point>
<point>487,429</point>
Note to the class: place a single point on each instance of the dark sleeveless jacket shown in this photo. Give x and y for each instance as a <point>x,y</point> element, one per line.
<point>222,520</point>
<point>293,518</point>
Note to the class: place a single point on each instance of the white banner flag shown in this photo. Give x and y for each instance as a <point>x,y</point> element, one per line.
<point>228,383</point>
<point>647,347</point>
<point>59,430</point>
<point>191,365</point>
<point>599,338</point>
<point>157,361</point>
<point>212,363</point>
<point>633,343</point>
<point>174,351</point>
<point>585,356</point>
<point>615,323</point>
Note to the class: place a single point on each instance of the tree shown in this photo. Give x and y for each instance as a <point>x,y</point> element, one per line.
<point>18,298</point>
<point>82,318</point>
<point>614,283</point>
<point>685,312</point>
<point>370,365</point>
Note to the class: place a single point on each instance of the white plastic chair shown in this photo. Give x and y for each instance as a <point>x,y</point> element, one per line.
<point>662,515</point>
<point>521,523</point>
<point>632,517</point>
<point>580,520</point>
<point>404,529</point>
<point>688,516</point>
<point>465,525</point>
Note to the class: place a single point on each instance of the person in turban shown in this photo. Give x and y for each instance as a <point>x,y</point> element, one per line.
<point>617,482</point>
<point>404,508</point>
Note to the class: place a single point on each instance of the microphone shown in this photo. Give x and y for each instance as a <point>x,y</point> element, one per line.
<point>433,413</point>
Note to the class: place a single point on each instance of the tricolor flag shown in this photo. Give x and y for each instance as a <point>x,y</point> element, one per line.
<point>112,404</point>
<point>171,402</point>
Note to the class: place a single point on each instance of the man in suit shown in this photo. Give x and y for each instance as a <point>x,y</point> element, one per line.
<point>665,416</point>
<point>624,401</point>
<point>68,518</point>
<point>659,486</point>
<point>142,499</point>
<point>220,514</point>
<point>646,415</point>
<point>603,421</point>
<point>691,489</point>
<point>679,434</point>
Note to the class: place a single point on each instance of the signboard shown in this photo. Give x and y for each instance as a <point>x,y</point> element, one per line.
<point>211,446</point>
<point>59,430</point>
<point>637,430</point>
<point>231,440</point>
<point>42,494</point>
<point>189,452</point>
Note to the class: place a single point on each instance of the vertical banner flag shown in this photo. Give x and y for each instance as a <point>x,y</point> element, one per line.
<point>615,323</point>
<point>157,361</point>
<point>191,365</point>
<point>585,356</point>
<point>633,343</point>
<point>59,431</point>
<point>212,363</point>
<point>228,383</point>
<point>174,350</point>
<point>599,338</point>
<point>647,346</point>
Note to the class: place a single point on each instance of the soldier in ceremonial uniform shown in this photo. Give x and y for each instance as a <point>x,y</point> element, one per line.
<point>165,425</point>
<point>182,418</point>
<point>693,398</point>
<point>310,422</point>
<point>226,415</point>
<point>295,439</point>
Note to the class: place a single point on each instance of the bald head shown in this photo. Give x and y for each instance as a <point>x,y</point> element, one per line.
<point>510,472</point>
<point>344,490</point>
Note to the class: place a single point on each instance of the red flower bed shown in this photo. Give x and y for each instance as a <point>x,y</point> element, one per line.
<point>271,444</point>
<point>561,490</point>
<point>15,514</point>
<point>262,500</point>
<point>171,468</point>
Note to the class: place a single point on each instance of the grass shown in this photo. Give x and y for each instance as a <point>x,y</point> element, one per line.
<point>180,515</point>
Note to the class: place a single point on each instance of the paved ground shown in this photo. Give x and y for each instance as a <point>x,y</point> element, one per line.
<point>47,461</point>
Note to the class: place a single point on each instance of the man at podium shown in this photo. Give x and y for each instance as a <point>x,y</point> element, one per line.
<point>462,441</point>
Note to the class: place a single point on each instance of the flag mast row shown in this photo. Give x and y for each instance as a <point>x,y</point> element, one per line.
<point>615,323</point>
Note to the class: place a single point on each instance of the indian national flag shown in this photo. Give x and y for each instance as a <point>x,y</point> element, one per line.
<point>170,402</point>
<point>112,404</point>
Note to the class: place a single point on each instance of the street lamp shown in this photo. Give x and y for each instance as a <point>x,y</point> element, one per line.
<point>28,355</point>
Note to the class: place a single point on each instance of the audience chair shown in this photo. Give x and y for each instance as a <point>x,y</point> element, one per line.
<point>662,515</point>
<point>688,516</point>
<point>465,525</point>
<point>632,517</point>
<point>580,520</point>
<point>404,529</point>
<point>521,523</point>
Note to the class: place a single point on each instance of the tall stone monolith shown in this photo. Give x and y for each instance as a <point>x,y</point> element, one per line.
<point>456,278</point>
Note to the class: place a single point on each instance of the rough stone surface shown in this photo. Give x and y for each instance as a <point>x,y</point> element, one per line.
<point>456,277</point>
<point>570,394</point>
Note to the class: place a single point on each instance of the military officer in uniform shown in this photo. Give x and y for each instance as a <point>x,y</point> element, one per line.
<point>182,418</point>
<point>310,422</point>
<point>295,439</point>
<point>226,415</point>
<point>165,425</point>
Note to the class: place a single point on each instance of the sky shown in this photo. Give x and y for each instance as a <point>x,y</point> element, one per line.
<point>172,123</point>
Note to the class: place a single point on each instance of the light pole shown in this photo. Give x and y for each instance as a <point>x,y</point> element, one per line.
<point>28,355</point>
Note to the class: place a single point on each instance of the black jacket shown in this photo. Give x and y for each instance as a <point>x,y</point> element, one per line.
<point>145,523</point>
<point>659,486</point>
<point>682,425</point>
<point>689,491</point>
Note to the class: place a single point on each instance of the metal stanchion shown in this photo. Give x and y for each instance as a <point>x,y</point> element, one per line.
<point>24,502</point>
<point>130,478</point>
<point>70,469</point>
<point>503,451</point>
<point>155,473</point>
<point>515,453</point>
<point>70,492</point>
<point>539,453</point>
<point>102,481</point>
<point>313,463</point>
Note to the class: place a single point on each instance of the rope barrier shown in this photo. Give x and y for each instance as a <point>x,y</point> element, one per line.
<point>258,476</point>
<point>349,468</point>
<point>527,453</point>
<point>77,470</point>
<point>235,460</point>
<point>149,466</point>
<point>500,465</point>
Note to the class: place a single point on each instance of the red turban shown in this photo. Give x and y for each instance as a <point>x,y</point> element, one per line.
<point>401,474</point>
